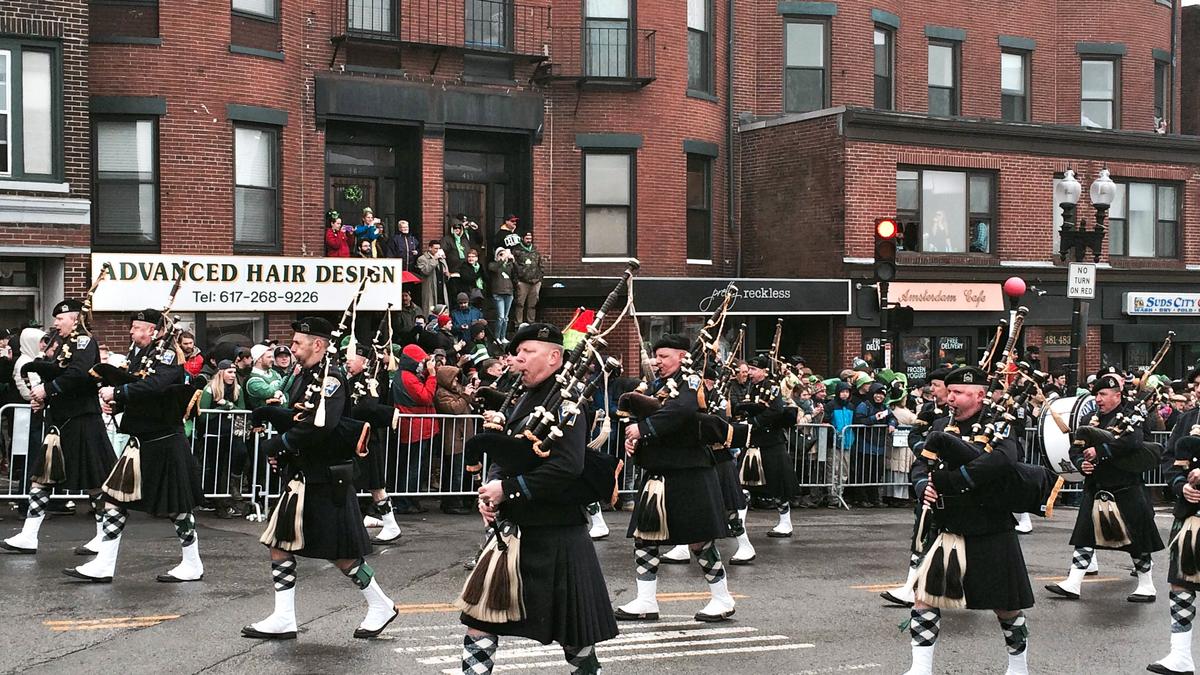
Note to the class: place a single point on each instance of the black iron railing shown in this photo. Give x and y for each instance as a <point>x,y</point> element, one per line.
<point>500,26</point>
<point>602,52</point>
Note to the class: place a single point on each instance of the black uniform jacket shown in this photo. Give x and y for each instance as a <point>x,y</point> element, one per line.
<point>1107,475</point>
<point>73,392</point>
<point>670,438</point>
<point>148,412</point>
<point>314,449</point>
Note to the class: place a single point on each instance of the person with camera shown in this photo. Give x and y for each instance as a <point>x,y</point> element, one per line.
<point>414,389</point>
<point>369,230</point>
<point>337,237</point>
<point>501,277</point>
<point>434,272</point>
<point>528,263</point>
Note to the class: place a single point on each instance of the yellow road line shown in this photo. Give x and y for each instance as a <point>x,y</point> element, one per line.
<point>118,619</point>
<point>106,626</point>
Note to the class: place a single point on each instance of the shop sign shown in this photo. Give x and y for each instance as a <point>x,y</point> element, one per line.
<point>947,297</point>
<point>679,296</point>
<point>1162,303</point>
<point>243,283</point>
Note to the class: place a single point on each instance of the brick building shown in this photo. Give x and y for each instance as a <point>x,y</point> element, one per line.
<point>960,124</point>
<point>45,184</point>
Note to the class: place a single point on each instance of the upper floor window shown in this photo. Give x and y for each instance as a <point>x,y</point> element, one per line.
<point>30,111</point>
<point>1014,86</point>
<point>371,16</point>
<point>488,23</point>
<point>884,68</point>
<point>1099,104</point>
<point>607,38</point>
<point>1162,96</point>
<point>943,78</point>
<point>805,77</point>
<point>699,207</point>
<point>608,180</point>
<point>1144,221</point>
<point>266,9</point>
<point>946,211</point>
<point>699,13</point>
<point>256,187</point>
<point>125,207</point>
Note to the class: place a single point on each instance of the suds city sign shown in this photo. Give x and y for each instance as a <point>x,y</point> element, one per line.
<point>243,283</point>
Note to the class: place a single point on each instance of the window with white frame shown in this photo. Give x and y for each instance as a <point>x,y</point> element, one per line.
<point>608,180</point>
<point>125,209</point>
<point>1144,220</point>
<point>256,186</point>
<point>30,111</point>
<point>805,74</point>
<point>1098,103</point>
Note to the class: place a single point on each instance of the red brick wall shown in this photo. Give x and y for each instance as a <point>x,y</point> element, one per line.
<point>1189,69</point>
<point>1055,67</point>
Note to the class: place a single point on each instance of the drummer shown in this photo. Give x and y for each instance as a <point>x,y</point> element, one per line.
<point>1115,512</point>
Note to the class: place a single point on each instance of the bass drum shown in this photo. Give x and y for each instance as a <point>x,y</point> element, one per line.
<point>1070,412</point>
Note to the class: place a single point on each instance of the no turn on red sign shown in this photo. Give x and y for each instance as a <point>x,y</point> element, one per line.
<point>1081,281</point>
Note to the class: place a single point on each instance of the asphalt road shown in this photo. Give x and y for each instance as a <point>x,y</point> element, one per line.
<point>807,605</point>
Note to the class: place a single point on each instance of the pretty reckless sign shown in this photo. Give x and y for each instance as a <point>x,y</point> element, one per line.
<point>945,297</point>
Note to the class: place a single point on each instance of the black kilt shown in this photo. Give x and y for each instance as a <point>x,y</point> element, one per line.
<point>996,577</point>
<point>87,453</point>
<point>566,599</point>
<point>333,529</point>
<point>1173,576</point>
<point>695,506</point>
<point>170,477</point>
<point>1136,510</point>
<point>731,487</point>
<point>372,469</point>
<point>780,473</point>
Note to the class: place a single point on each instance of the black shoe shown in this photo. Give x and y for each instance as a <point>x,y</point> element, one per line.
<point>364,634</point>
<point>742,561</point>
<point>622,615</point>
<point>252,632</point>
<point>1059,590</point>
<point>74,573</point>
<point>9,548</point>
<point>713,618</point>
<point>887,595</point>
<point>168,579</point>
<point>1135,597</point>
<point>1163,670</point>
<point>83,550</point>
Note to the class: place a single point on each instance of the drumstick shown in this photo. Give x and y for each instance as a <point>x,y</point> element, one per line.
<point>1059,421</point>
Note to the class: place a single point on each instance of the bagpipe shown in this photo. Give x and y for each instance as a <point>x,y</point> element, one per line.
<point>527,444</point>
<point>1136,394</point>
<point>726,374</point>
<point>49,368</point>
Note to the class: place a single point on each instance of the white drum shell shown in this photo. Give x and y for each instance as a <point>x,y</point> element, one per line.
<point>1056,444</point>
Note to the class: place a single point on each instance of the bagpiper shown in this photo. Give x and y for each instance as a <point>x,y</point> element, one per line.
<point>540,543</point>
<point>767,469</point>
<point>1184,572</point>
<point>976,560</point>
<point>157,473</point>
<point>679,496</point>
<point>77,454</point>
<point>1115,512</point>
<point>365,404</point>
<point>318,516</point>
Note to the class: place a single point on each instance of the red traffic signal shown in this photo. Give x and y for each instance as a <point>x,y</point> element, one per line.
<point>886,228</point>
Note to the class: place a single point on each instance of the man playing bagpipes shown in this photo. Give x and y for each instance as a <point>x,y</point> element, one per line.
<point>767,469</point>
<point>930,413</point>
<point>679,497</point>
<point>76,454</point>
<point>318,515</point>
<point>538,577</point>
<point>976,561</point>
<point>1115,512</point>
<point>1184,573</point>
<point>156,473</point>
<point>365,404</point>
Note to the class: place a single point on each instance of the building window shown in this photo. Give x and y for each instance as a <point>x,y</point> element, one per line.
<point>1144,221</point>
<point>125,210</point>
<point>607,38</point>
<point>699,45</point>
<point>256,187</point>
<point>1098,105</point>
<point>805,75</point>
<point>1014,86</point>
<point>699,207</point>
<point>608,180</point>
<point>946,211</point>
<point>884,68</point>
<point>488,23</point>
<point>1162,97</point>
<point>261,8</point>
<point>371,16</point>
<point>30,109</point>
<point>943,78</point>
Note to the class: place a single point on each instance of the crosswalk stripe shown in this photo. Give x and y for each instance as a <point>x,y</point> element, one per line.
<point>603,652</point>
<point>646,657</point>
<point>456,630</point>
<point>535,649</point>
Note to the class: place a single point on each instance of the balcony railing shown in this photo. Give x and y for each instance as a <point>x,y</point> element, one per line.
<point>484,26</point>
<point>600,54</point>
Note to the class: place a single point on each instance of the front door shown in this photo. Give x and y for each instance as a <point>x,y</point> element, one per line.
<point>349,195</point>
<point>471,199</point>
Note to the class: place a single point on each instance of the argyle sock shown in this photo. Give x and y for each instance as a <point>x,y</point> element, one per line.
<point>1081,559</point>
<point>39,498</point>
<point>1183,610</point>
<point>923,626</point>
<point>185,528</point>
<point>1016,633</point>
<point>360,573</point>
<point>283,574</point>
<point>645,557</point>
<point>477,653</point>
<point>736,527</point>
<point>783,506</point>
<point>97,501</point>
<point>383,506</point>
<point>710,561</point>
<point>1141,563</point>
<point>914,561</point>
<point>113,523</point>
<point>583,658</point>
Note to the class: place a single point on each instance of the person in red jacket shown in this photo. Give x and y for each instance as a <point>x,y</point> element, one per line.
<point>193,360</point>
<point>336,243</point>
<point>413,391</point>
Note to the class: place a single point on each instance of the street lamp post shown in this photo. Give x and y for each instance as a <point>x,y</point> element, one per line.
<point>1075,241</point>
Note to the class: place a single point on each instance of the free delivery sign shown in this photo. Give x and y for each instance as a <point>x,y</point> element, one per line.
<point>1142,304</point>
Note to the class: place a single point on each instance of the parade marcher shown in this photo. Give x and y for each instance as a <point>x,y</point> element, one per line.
<point>768,433</point>
<point>995,577</point>
<point>320,466</point>
<point>168,479</point>
<point>564,595</point>
<point>680,500</point>
<point>1106,484</point>
<point>930,413</point>
<point>1183,478</point>
<point>79,455</point>
<point>365,404</point>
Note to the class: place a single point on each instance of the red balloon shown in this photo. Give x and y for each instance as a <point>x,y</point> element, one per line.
<point>1014,287</point>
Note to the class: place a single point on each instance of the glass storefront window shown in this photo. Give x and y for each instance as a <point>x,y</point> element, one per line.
<point>915,352</point>
<point>952,350</point>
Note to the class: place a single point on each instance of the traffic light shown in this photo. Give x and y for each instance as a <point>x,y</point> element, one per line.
<point>887,232</point>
